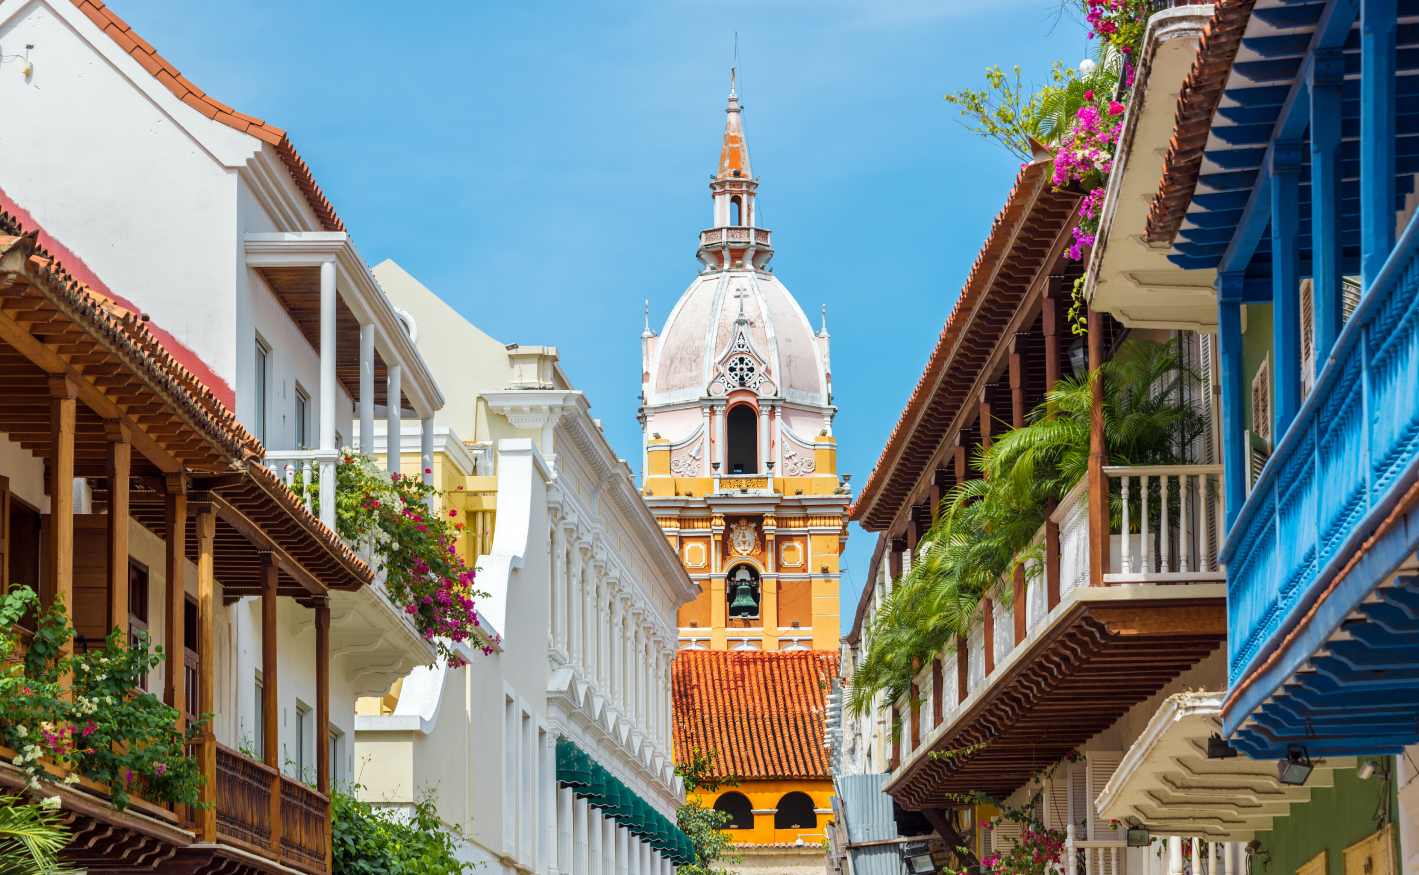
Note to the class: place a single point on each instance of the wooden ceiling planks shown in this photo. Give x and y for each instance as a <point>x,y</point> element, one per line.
<point>298,289</point>
<point>1100,661</point>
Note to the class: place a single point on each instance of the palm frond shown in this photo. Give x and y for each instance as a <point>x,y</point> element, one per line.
<point>31,838</point>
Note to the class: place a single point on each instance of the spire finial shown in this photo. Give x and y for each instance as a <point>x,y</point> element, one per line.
<point>732,74</point>
<point>824,332</point>
<point>647,332</point>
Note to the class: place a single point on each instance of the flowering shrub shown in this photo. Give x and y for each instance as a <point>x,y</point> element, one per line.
<point>418,546</point>
<point>1034,853</point>
<point>1120,24</point>
<point>100,726</point>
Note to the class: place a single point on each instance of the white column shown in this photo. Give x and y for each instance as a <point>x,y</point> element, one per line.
<point>763,437</point>
<point>426,448</point>
<point>719,436</point>
<point>778,439</point>
<point>1175,856</point>
<point>392,423</point>
<point>705,440</point>
<point>367,388</point>
<point>574,605</point>
<point>328,297</point>
<point>623,849</point>
<point>581,842</point>
<point>594,837</point>
<point>648,855</point>
<point>613,684</point>
<point>566,803</point>
<point>610,849</point>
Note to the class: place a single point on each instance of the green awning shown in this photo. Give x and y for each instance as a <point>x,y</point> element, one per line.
<point>601,789</point>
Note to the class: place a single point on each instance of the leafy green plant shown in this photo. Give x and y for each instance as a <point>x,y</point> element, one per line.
<point>1009,112</point>
<point>986,526</point>
<point>85,712</point>
<point>417,546</point>
<point>704,826</point>
<point>365,840</point>
<point>31,836</point>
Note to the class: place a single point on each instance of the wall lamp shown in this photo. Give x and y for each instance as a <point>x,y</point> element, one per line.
<point>918,859</point>
<point>1296,768</point>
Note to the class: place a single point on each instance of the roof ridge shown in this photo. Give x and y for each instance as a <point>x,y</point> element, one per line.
<point>161,69</point>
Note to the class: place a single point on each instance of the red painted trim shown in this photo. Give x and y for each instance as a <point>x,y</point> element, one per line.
<point>80,271</point>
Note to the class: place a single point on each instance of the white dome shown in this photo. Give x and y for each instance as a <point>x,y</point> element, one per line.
<point>703,351</point>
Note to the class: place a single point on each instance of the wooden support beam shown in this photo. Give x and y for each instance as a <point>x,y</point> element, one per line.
<point>59,584</point>
<point>1098,456</point>
<point>963,663</point>
<point>936,692</point>
<point>206,525</point>
<point>987,415</point>
<point>270,730</point>
<point>175,539</point>
<point>1017,380</point>
<point>120,458</point>
<point>322,698</point>
<point>1050,311</point>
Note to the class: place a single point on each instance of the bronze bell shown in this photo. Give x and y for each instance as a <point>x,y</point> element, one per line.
<point>744,604</point>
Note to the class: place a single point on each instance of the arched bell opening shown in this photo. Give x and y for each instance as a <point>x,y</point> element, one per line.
<point>741,588</point>
<point>742,428</point>
<point>736,211</point>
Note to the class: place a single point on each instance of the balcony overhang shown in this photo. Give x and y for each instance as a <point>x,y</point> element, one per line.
<point>1168,785</point>
<point>1100,652</point>
<point>1129,277</point>
<point>289,263</point>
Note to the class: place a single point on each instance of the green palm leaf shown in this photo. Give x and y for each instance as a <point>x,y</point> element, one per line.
<point>31,838</point>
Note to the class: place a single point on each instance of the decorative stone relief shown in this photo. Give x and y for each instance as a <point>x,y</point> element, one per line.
<point>795,465</point>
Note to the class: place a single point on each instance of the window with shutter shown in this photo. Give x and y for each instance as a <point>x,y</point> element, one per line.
<point>1004,834</point>
<point>1350,292</point>
<point>1102,765</point>
<point>1308,338</point>
<point>1261,401</point>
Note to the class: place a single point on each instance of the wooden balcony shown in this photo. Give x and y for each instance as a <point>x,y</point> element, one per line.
<point>264,812</point>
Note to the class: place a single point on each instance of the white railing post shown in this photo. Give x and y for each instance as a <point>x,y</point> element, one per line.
<point>367,388</point>
<point>1175,857</point>
<point>1071,858</point>
<point>394,410</point>
<point>1126,560</point>
<point>1196,856</point>
<point>1147,521</point>
<point>1185,527</point>
<point>1165,528</point>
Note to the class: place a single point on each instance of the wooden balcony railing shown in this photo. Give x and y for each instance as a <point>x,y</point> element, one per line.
<point>267,813</point>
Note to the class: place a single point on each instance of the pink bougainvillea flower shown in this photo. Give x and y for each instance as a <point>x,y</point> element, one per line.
<point>1115,108</point>
<point>1089,95</point>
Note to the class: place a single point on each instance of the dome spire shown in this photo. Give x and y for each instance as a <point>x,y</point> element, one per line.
<point>734,154</point>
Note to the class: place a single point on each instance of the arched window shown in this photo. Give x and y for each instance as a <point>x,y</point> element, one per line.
<point>741,590</point>
<point>736,805</point>
<point>735,211</point>
<point>795,811</point>
<point>743,439</point>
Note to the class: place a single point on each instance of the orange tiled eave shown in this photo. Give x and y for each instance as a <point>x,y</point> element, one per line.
<point>142,52</point>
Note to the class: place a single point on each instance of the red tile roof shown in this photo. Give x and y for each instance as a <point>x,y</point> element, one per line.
<point>760,714</point>
<point>1026,229</point>
<point>1198,98</point>
<point>137,47</point>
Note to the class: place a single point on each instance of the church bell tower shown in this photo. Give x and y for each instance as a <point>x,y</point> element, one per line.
<point>740,462</point>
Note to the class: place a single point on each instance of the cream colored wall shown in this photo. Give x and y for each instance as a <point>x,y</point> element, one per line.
<point>451,344</point>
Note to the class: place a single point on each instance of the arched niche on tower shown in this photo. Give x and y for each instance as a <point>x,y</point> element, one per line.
<point>741,434</point>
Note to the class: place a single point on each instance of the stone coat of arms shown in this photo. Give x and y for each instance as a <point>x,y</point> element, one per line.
<point>743,538</point>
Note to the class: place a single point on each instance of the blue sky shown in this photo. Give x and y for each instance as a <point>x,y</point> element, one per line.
<point>543,166</point>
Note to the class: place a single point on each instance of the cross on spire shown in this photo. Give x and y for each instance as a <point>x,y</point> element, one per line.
<point>742,294</point>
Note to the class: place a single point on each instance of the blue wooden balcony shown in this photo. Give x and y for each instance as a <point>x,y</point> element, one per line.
<point>1305,175</point>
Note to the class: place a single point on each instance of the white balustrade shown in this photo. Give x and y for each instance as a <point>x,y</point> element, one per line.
<point>1177,511</point>
<point>298,469</point>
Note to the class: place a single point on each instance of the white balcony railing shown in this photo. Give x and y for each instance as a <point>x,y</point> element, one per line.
<point>1178,513</point>
<point>1094,858</point>
<point>298,470</point>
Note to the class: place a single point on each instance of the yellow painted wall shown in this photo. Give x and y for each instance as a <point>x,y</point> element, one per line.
<point>766,794</point>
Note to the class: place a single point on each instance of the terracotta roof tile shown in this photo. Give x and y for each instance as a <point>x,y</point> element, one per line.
<point>1198,98</point>
<point>144,53</point>
<point>760,714</point>
<point>127,335</point>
